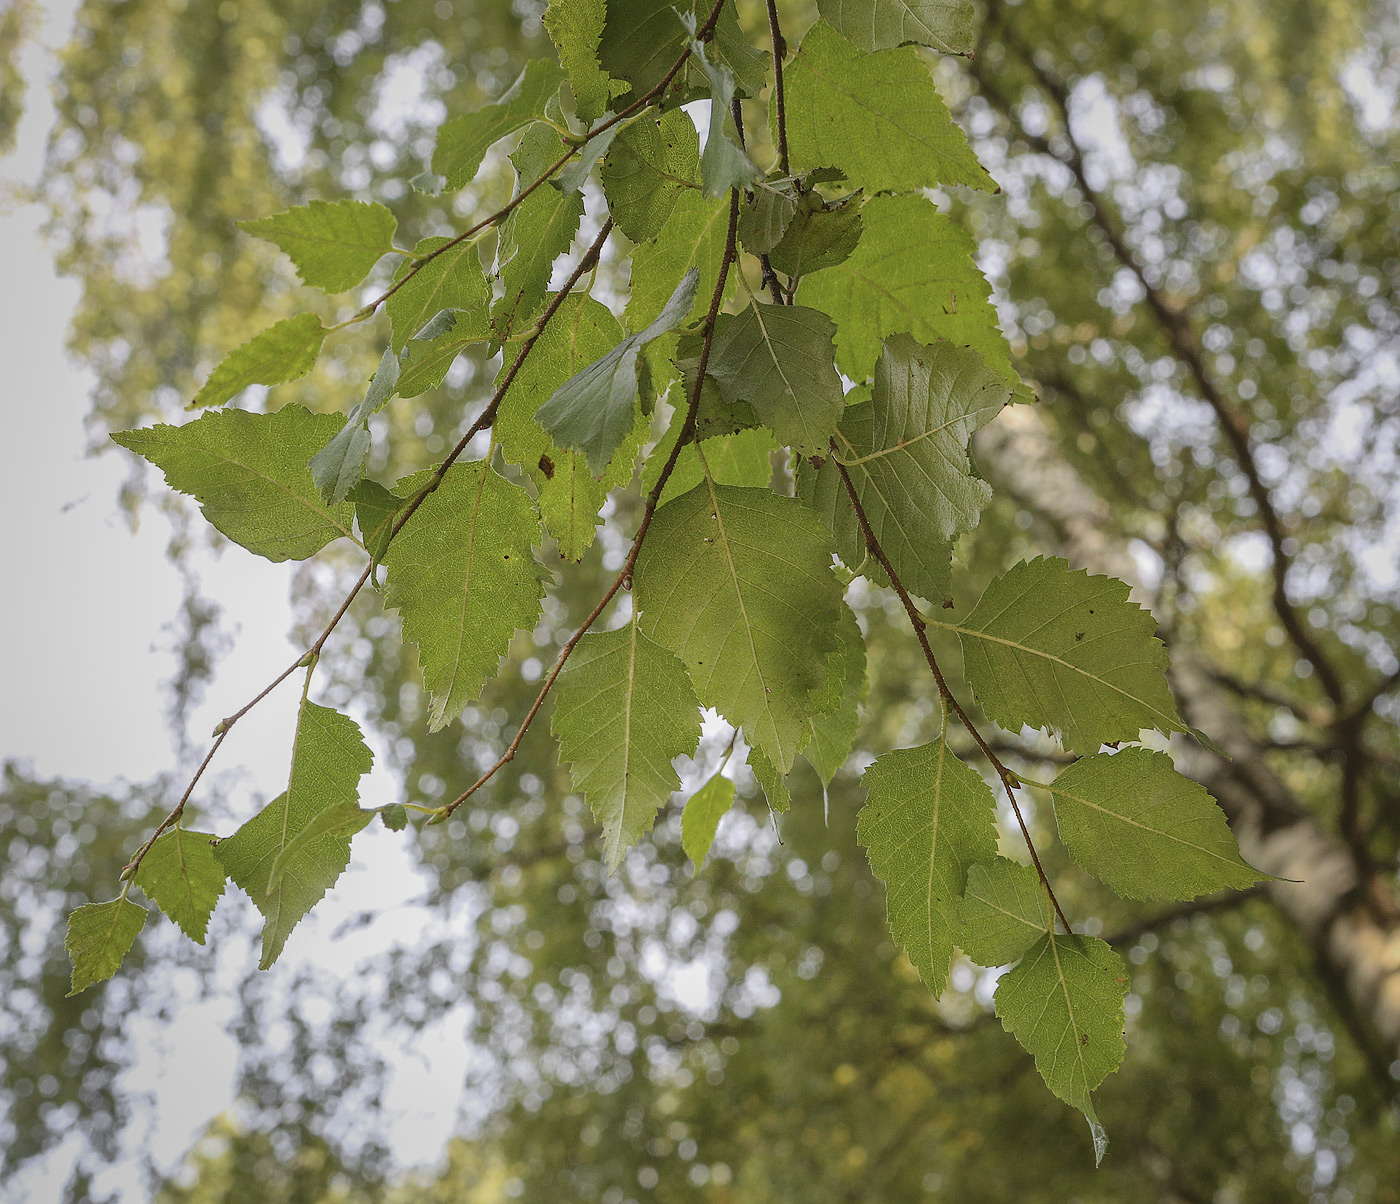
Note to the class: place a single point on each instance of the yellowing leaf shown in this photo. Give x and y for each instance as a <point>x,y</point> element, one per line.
<point>927,819</point>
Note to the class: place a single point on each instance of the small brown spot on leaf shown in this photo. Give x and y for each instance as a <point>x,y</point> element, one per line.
<point>547,467</point>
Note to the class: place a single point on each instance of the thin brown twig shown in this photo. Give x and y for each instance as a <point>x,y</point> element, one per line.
<point>779,50</point>
<point>653,499</point>
<point>916,620</point>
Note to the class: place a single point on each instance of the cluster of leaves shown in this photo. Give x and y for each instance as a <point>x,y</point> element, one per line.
<point>823,315</point>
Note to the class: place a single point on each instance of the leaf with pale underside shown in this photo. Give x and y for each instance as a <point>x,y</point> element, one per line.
<point>290,835</point>
<point>1064,1003</point>
<point>723,163</point>
<point>284,351</point>
<point>1058,649</point>
<point>946,25</point>
<point>250,474</point>
<point>738,583</point>
<point>569,497</point>
<point>463,576</point>
<point>594,410</point>
<point>337,468</point>
<point>905,451</point>
<point>912,272</point>
<point>647,168</point>
<point>928,818</point>
<point>1003,912</point>
<point>332,243</point>
<point>463,141</point>
<point>1145,830</point>
<point>427,360</point>
<point>700,819</point>
<point>452,280</point>
<point>877,117</point>
<point>181,875</point>
<point>625,709</point>
<point>99,937</point>
<point>778,359</point>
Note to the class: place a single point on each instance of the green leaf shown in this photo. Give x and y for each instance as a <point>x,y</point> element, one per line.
<point>427,359</point>
<point>723,164</point>
<point>738,583</point>
<point>700,819</point>
<point>625,710</point>
<point>946,25</point>
<point>819,236</point>
<point>878,118</point>
<point>340,821</point>
<point>642,38</point>
<point>647,168</point>
<point>906,453</point>
<point>766,218</point>
<point>574,27</point>
<point>774,784</point>
<point>834,726</point>
<point>332,243</point>
<point>464,578</point>
<point>1064,1003</point>
<point>450,280</point>
<point>744,458</point>
<point>249,473</point>
<point>375,510</point>
<point>911,273</point>
<point>927,819</point>
<point>1061,650</point>
<point>694,236</point>
<point>463,141</point>
<point>280,353</point>
<point>534,235</point>
<point>580,332</point>
<point>595,409</point>
<point>337,468</point>
<point>394,817</point>
<point>329,757</point>
<point>99,936</point>
<point>1003,913</point>
<point>778,359</point>
<point>1145,830</point>
<point>183,878</point>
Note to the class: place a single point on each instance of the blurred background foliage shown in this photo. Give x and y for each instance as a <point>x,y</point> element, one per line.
<point>1195,197</point>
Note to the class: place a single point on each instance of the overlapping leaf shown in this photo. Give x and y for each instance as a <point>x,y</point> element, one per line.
<point>464,577</point>
<point>1004,911</point>
<point>99,937</point>
<point>337,468</point>
<point>946,25</point>
<point>452,279</point>
<point>834,726</point>
<point>594,410</point>
<point>582,331</point>
<point>625,709</point>
<point>332,243</point>
<point>642,38</point>
<point>647,168</point>
<point>428,359</point>
<point>181,875</point>
<point>818,236</point>
<point>876,117</point>
<point>463,141</point>
<point>574,27</point>
<point>700,819</point>
<point>249,473</point>
<point>1058,649</point>
<point>284,351</point>
<point>1145,830</point>
<point>743,458</point>
<point>927,819</point>
<point>328,759</point>
<point>911,273</point>
<point>906,453</point>
<point>1064,1003</point>
<point>778,359</point>
<point>723,165</point>
<point>737,582</point>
